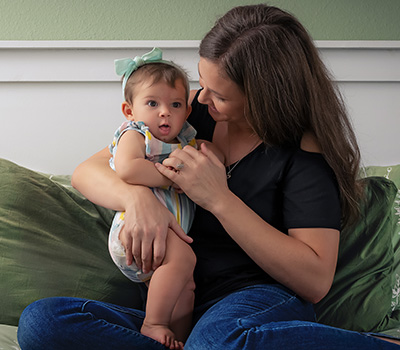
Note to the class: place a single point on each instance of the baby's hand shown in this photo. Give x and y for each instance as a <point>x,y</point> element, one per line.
<point>174,185</point>
<point>176,188</point>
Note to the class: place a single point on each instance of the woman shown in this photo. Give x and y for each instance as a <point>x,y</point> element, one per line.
<point>266,231</point>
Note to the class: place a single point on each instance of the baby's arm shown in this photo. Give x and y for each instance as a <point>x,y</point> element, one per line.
<point>131,165</point>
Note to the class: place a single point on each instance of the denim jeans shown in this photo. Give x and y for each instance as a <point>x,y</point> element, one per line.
<point>256,317</point>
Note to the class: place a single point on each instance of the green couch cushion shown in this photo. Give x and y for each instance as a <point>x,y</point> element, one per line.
<point>392,173</point>
<point>360,298</point>
<point>53,242</point>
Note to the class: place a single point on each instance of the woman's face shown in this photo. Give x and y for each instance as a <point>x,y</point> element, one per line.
<point>224,98</point>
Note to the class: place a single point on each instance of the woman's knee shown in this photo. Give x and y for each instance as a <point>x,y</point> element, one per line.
<point>40,322</point>
<point>247,314</point>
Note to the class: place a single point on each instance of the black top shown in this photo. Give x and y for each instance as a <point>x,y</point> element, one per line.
<point>285,186</point>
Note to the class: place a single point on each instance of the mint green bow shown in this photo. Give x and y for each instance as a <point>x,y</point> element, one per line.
<point>126,66</point>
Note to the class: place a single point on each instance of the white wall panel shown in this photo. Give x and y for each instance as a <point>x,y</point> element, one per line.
<point>60,101</point>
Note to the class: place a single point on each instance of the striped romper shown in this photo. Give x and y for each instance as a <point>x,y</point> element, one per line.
<point>178,203</point>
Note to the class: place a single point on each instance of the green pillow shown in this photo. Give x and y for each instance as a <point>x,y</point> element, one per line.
<point>360,297</point>
<point>53,242</point>
<point>393,173</point>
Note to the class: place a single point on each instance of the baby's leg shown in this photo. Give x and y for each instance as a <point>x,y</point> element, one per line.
<point>165,288</point>
<point>181,320</point>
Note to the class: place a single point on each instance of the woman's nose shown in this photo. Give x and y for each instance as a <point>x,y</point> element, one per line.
<point>203,96</point>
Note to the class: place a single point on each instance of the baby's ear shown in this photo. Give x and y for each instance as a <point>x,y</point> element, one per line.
<point>188,111</point>
<point>127,110</point>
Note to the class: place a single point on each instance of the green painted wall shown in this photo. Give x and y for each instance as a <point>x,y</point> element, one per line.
<point>186,19</point>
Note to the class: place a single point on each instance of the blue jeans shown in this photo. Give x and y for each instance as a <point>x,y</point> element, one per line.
<point>256,317</point>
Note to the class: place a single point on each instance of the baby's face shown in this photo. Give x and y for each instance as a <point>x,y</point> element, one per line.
<point>162,108</point>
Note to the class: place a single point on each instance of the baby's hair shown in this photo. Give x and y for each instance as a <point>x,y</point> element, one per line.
<point>160,71</point>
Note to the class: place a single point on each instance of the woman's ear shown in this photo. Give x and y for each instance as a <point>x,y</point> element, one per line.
<point>127,110</point>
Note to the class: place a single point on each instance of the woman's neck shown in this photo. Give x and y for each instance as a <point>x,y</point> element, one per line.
<point>234,141</point>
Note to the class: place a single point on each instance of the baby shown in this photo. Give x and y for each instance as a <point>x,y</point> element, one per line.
<point>156,108</point>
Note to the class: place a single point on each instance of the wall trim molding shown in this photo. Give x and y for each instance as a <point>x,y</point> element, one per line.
<point>92,61</point>
<point>122,44</point>
<point>97,44</point>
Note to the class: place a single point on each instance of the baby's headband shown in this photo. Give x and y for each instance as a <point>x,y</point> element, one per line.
<point>126,66</point>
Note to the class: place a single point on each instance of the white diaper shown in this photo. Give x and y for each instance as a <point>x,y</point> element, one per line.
<point>117,252</point>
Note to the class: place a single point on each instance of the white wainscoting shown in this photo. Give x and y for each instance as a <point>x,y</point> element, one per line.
<point>60,100</point>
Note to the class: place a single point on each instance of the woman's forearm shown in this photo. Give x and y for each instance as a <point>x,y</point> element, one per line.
<point>95,179</point>
<point>304,260</point>
<point>146,220</point>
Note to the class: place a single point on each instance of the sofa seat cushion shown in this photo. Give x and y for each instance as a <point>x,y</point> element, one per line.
<point>8,337</point>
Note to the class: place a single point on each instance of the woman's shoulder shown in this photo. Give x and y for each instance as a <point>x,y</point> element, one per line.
<point>300,162</point>
<point>306,165</point>
<point>306,157</point>
<point>309,143</point>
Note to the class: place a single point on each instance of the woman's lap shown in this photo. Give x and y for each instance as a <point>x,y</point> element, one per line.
<point>236,321</point>
<point>271,317</point>
<point>262,316</point>
<point>72,323</point>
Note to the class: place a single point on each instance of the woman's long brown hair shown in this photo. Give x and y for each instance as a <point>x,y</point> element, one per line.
<point>289,91</point>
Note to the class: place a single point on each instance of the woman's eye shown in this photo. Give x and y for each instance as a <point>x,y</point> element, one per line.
<point>176,104</point>
<point>152,103</point>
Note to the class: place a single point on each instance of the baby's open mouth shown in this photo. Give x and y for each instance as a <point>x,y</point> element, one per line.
<point>165,128</point>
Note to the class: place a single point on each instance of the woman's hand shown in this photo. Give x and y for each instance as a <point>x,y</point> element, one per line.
<point>202,176</point>
<point>146,219</point>
<point>145,230</point>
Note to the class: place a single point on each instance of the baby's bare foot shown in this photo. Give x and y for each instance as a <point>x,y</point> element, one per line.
<point>394,341</point>
<point>162,334</point>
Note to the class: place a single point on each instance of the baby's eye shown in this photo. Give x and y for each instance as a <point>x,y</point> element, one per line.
<point>176,104</point>
<point>152,103</point>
